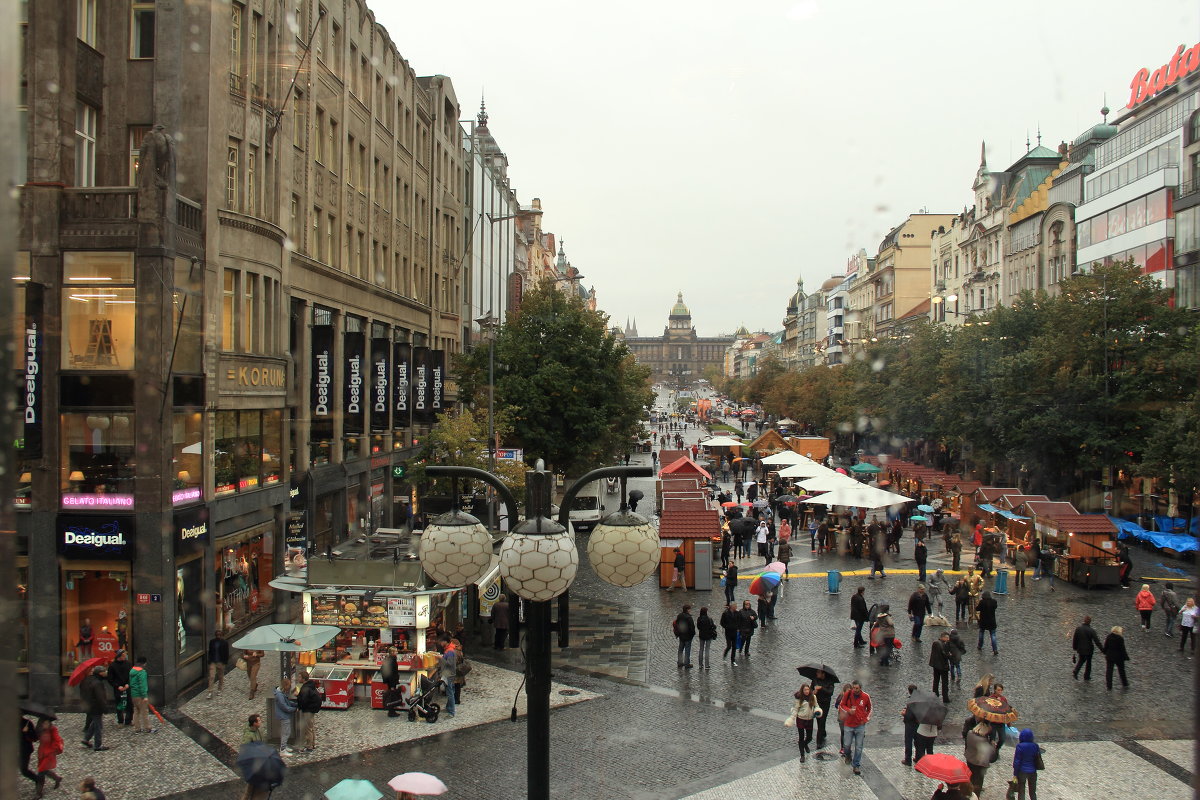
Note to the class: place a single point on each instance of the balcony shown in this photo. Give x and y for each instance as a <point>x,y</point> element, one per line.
<point>1188,187</point>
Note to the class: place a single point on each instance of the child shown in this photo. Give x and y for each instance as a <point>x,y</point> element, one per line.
<point>50,744</point>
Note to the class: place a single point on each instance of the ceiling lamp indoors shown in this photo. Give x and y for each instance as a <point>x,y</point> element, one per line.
<point>456,549</point>
<point>624,548</point>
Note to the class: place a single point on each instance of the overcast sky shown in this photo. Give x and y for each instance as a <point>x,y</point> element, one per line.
<point>726,149</point>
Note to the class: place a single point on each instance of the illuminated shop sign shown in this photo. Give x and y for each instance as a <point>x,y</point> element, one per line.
<point>95,537</point>
<point>97,501</point>
<point>1146,84</point>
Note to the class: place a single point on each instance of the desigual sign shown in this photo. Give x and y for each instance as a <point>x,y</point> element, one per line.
<point>95,537</point>
<point>1146,84</point>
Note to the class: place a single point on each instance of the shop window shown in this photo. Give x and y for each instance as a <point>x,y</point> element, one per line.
<point>242,461</point>
<point>243,573</point>
<point>98,310</point>
<point>1116,222</point>
<point>141,30</point>
<point>188,317</point>
<point>93,602</point>
<point>98,460</point>
<point>85,144</point>
<point>189,609</point>
<point>1156,207</point>
<point>272,454</point>
<point>187,458</point>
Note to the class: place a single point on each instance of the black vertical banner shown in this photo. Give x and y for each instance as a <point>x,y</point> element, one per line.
<point>420,387</point>
<point>402,385</point>
<point>437,375</point>
<point>322,373</point>
<point>380,380</point>
<point>33,341</point>
<point>354,396</point>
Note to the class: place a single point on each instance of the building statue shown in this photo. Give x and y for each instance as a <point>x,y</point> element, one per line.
<point>156,183</point>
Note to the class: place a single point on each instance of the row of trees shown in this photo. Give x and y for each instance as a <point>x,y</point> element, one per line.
<point>1104,375</point>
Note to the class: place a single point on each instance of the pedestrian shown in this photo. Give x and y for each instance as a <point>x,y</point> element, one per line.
<point>88,790</point>
<point>962,599</point>
<point>726,544</point>
<point>937,587</point>
<point>218,657</point>
<point>979,750</point>
<point>729,623</point>
<point>738,490</point>
<point>678,570</point>
<point>1170,606</point>
<point>823,688</point>
<point>923,740</point>
<point>461,665</point>
<point>118,678</point>
<point>95,704</point>
<point>1084,642</point>
<point>139,692</point>
<point>731,579</point>
<point>958,649</point>
<point>50,745</point>
<point>812,532</point>
<point>785,530</point>
<point>500,613</point>
<point>877,546</point>
<point>986,612</point>
<point>910,728</point>
<point>761,534</point>
<point>308,704</point>
<point>764,608</point>
<point>859,614</point>
<point>940,660</point>
<point>918,608</point>
<point>747,622</point>
<point>883,635</point>
<point>29,737</point>
<point>854,711</point>
<point>784,554</point>
<point>1049,562</point>
<point>706,630</point>
<point>1144,602</point>
<point>804,711</point>
<point>285,712</point>
<point>1020,564</point>
<point>1115,655</point>
<point>684,628</point>
<point>1027,760</point>
<point>253,659</point>
<point>253,730</point>
<point>1187,624</point>
<point>955,550</point>
<point>1035,557</point>
<point>920,555</point>
<point>1126,565</point>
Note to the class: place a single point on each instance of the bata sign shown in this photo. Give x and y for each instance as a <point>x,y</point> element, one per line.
<point>1146,84</point>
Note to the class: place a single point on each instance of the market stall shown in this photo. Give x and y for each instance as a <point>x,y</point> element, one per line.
<point>1087,546</point>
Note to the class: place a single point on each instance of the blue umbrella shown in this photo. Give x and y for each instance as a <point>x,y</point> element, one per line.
<point>926,508</point>
<point>261,765</point>
<point>916,519</point>
<point>353,789</point>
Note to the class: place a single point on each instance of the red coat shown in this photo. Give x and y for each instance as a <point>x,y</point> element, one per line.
<point>50,744</point>
<point>1144,600</point>
<point>858,709</point>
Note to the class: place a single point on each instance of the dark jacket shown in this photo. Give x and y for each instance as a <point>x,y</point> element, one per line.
<point>500,614</point>
<point>706,627</point>
<point>731,575</point>
<point>858,608</point>
<point>118,673</point>
<point>729,621</point>
<point>1114,648</point>
<point>747,621</point>
<point>919,605</point>
<point>1025,753</point>
<point>939,656</point>
<point>920,553</point>
<point>93,694</point>
<point>685,626</point>
<point>986,609</point>
<point>680,562</point>
<point>218,651</point>
<point>309,698</point>
<point>389,672</point>
<point>1085,640</point>
<point>957,648</point>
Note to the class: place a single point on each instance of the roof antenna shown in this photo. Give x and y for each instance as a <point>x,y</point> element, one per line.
<point>1104,109</point>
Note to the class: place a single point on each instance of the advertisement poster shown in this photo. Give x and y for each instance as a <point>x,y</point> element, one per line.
<point>402,612</point>
<point>354,394</point>
<point>422,413</point>
<point>401,385</point>
<point>380,396</point>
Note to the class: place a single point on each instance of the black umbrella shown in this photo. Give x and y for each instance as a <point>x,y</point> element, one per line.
<point>636,495</point>
<point>743,526</point>
<point>261,765</point>
<point>811,670</point>
<point>927,708</point>
<point>37,709</point>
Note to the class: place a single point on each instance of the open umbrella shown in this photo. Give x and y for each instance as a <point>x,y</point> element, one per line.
<point>993,708</point>
<point>289,638</point>
<point>764,583</point>
<point>944,767</point>
<point>260,765</point>
<point>925,507</point>
<point>730,504</point>
<point>353,789</point>
<point>859,496</point>
<point>722,441</point>
<point>788,421</point>
<point>636,495</point>
<point>864,468</point>
<point>83,670</point>
<point>917,518</point>
<point>36,709</point>
<point>777,566</point>
<point>927,708</point>
<point>417,783</point>
<point>810,670</point>
<point>786,457</point>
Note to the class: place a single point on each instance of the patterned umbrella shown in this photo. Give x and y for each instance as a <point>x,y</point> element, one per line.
<point>994,708</point>
<point>764,583</point>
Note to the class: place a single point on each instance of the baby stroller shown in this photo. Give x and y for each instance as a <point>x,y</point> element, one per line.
<point>420,704</point>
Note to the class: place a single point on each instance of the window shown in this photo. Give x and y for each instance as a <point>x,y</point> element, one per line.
<point>318,240</point>
<point>228,309</point>
<point>298,120</point>
<point>335,48</point>
<point>251,180</point>
<point>187,456</point>
<point>256,92</point>
<point>247,450</point>
<point>321,134</point>
<point>86,22</point>
<point>332,149</point>
<point>141,30</point>
<point>251,337</point>
<point>98,310</point>
<point>235,48</point>
<point>352,176</point>
<point>136,134</point>
<point>98,459</point>
<point>85,145</point>
<point>232,161</point>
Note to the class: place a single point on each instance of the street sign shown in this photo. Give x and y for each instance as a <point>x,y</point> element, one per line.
<point>509,454</point>
<point>1108,501</point>
<point>143,599</point>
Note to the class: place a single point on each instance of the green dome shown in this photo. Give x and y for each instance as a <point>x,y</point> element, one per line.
<point>679,309</point>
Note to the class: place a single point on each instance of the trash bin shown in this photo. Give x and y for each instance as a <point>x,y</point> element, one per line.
<point>834,581</point>
<point>1001,586</point>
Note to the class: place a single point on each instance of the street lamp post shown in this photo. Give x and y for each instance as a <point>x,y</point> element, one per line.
<point>538,561</point>
<point>490,323</point>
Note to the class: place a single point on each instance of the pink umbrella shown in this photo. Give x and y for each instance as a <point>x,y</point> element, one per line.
<point>843,471</point>
<point>417,783</point>
<point>777,566</point>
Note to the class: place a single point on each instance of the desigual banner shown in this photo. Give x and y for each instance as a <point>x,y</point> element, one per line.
<point>100,537</point>
<point>437,375</point>
<point>422,412</point>
<point>355,384</point>
<point>379,395</point>
<point>322,372</point>
<point>33,348</point>
<point>402,385</point>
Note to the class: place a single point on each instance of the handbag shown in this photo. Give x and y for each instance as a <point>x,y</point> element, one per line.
<point>1038,763</point>
<point>241,663</point>
<point>722,581</point>
<point>464,667</point>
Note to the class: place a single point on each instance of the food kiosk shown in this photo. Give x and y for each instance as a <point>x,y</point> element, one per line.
<point>1087,544</point>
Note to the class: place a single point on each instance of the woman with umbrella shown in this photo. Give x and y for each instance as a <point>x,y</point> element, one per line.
<point>803,712</point>
<point>823,680</point>
<point>952,772</point>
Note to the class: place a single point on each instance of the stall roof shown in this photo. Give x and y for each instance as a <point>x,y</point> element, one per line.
<point>1050,508</point>
<point>1004,512</point>
<point>684,465</point>
<point>689,524</point>
<point>671,456</point>
<point>1011,501</point>
<point>990,494</point>
<point>1085,523</point>
<point>685,502</point>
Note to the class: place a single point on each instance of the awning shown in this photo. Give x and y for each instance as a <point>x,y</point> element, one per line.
<point>988,507</point>
<point>1009,514</point>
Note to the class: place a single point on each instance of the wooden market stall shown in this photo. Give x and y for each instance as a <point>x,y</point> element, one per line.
<point>1087,546</point>
<point>685,522</point>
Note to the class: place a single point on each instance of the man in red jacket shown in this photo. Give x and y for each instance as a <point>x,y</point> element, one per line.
<point>854,711</point>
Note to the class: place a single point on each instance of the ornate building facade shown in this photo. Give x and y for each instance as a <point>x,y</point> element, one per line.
<point>679,356</point>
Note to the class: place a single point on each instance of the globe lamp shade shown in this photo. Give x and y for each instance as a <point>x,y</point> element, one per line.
<point>539,566</point>
<point>456,549</point>
<point>624,549</point>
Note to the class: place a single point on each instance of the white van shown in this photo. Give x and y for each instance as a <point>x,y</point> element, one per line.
<point>587,508</point>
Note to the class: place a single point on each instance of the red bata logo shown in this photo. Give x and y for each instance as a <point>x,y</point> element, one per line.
<point>1146,84</point>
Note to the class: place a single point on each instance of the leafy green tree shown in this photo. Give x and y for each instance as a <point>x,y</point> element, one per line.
<point>460,439</point>
<point>574,393</point>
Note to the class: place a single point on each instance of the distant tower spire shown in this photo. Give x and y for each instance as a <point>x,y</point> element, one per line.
<point>1039,129</point>
<point>1104,109</point>
<point>482,118</point>
<point>1026,140</point>
<point>983,154</point>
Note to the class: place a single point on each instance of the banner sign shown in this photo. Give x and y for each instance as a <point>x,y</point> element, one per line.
<point>380,380</point>
<point>401,385</point>
<point>33,348</point>
<point>322,372</point>
<point>99,537</point>
<point>420,387</point>
<point>354,394</point>
<point>437,372</point>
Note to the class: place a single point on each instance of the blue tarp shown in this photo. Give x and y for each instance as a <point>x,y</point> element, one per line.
<point>1179,542</point>
<point>1002,512</point>
<point>988,507</point>
<point>1176,524</point>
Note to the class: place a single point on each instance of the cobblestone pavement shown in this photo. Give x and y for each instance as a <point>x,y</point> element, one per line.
<point>653,731</point>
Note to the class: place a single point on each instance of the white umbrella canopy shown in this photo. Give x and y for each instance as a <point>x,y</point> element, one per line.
<point>787,457</point>
<point>722,441</point>
<point>806,470</point>
<point>828,483</point>
<point>858,496</point>
<point>788,421</point>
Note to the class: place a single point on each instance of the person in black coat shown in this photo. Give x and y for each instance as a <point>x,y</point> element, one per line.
<point>940,659</point>
<point>1084,642</point>
<point>918,608</point>
<point>859,614</point>
<point>684,628</point>
<point>1115,655</point>
<point>910,729</point>
<point>118,676</point>
<point>731,579</point>
<point>706,629</point>
<point>747,623</point>
<point>920,555</point>
<point>729,623</point>
<point>985,609</point>
<point>218,657</point>
<point>823,685</point>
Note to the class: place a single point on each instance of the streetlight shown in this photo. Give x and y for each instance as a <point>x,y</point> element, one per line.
<point>538,561</point>
<point>490,323</point>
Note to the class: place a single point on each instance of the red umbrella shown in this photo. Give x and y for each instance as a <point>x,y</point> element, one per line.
<point>944,767</point>
<point>83,670</point>
<point>730,504</point>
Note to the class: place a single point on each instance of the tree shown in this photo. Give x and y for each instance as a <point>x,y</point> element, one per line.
<point>460,439</point>
<point>574,393</point>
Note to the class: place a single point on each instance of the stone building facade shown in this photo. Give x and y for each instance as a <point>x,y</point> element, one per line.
<point>679,357</point>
